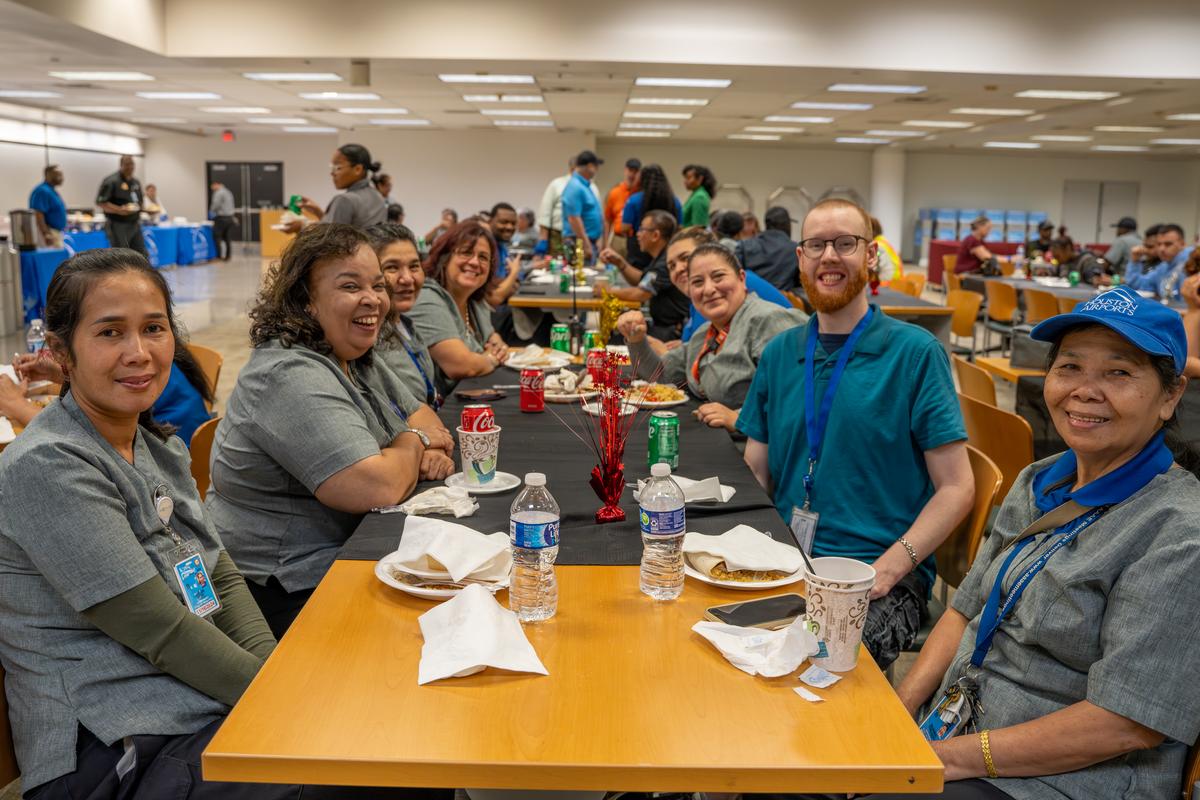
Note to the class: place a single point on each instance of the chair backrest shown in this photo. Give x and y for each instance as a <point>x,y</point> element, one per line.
<point>210,362</point>
<point>974,381</point>
<point>951,280</point>
<point>8,758</point>
<point>966,306</point>
<point>956,554</point>
<point>201,447</point>
<point>1191,770</point>
<point>798,302</point>
<point>1004,437</point>
<point>1040,305</point>
<point>1067,304</point>
<point>949,262</point>
<point>1001,300</point>
<point>901,284</point>
<point>918,282</point>
<point>1006,266</point>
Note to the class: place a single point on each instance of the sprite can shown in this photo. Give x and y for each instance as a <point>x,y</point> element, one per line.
<point>564,282</point>
<point>1073,277</point>
<point>591,340</point>
<point>664,439</point>
<point>560,338</point>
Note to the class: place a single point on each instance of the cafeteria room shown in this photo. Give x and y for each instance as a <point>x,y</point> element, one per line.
<point>538,521</point>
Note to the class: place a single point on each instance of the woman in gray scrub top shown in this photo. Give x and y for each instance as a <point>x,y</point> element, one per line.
<point>314,434</point>
<point>451,315</point>
<point>126,630</point>
<point>359,204</point>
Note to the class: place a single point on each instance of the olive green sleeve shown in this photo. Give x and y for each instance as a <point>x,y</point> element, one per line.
<point>239,616</point>
<point>151,621</point>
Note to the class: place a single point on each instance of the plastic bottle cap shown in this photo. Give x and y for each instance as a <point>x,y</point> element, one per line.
<point>660,470</point>
<point>535,479</point>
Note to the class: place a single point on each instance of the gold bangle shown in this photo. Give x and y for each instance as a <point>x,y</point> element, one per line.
<point>986,746</point>
<point>912,552</point>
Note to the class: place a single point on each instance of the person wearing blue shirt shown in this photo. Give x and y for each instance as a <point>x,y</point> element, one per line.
<point>1165,279</point>
<point>882,474</point>
<point>48,204</point>
<point>583,218</point>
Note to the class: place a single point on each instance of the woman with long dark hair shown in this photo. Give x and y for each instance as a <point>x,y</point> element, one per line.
<point>702,184</point>
<point>655,195</point>
<point>360,204</point>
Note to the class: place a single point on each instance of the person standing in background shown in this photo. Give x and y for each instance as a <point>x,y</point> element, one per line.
<point>702,184</point>
<point>972,253</point>
<point>383,184</point>
<point>549,217</point>
<point>654,194</point>
<point>889,264</point>
<point>772,254</point>
<point>614,204</point>
<point>351,169</point>
<point>220,211</point>
<point>48,206</point>
<point>583,220</point>
<point>395,213</point>
<point>154,206</point>
<point>120,198</point>
<point>448,221</point>
<point>1118,254</point>
<point>750,227</point>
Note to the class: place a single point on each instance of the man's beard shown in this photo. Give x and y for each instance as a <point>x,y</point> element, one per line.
<point>827,303</point>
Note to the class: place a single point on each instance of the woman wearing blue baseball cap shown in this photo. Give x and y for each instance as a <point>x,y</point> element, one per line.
<point>1066,666</point>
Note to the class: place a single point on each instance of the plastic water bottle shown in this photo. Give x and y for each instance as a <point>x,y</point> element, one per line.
<point>533,531</point>
<point>1020,257</point>
<point>663,521</point>
<point>35,339</point>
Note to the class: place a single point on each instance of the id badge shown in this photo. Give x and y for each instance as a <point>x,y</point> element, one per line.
<point>198,591</point>
<point>804,527</point>
<point>948,717</point>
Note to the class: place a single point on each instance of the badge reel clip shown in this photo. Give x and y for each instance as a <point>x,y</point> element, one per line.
<point>188,563</point>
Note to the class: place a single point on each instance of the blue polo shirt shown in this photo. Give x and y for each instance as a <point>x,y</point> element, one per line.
<point>46,199</point>
<point>578,200</point>
<point>896,401</point>
<point>1154,280</point>
<point>181,405</point>
<point>754,285</point>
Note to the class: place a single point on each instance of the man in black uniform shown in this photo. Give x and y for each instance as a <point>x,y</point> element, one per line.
<point>120,198</point>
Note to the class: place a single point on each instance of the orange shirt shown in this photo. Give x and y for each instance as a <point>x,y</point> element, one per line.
<point>615,204</point>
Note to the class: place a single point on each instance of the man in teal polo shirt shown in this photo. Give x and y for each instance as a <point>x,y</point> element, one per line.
<point>48,204</point>
<point>582,217</point>
<point>889,477</point>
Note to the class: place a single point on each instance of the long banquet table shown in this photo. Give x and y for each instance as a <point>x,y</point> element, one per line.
<point>634,700</point>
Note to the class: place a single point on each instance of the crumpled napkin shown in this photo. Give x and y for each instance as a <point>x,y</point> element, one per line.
<point>565,381</point>
<point>470,632</point>
<point>540,279</point>
<point>742,547</point>
<point>454,500</point>
<point>761,652</point>
<point>709,490</point>
<point>434,545</point>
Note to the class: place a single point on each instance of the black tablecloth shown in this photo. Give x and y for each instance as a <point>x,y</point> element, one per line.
<point>541,443</point>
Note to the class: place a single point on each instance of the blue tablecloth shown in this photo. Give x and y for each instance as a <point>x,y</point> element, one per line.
<point>184,244</point>
<point>162,245</point>
<point>91,240</point>
<point>196,243</point>
<point>37,268</point>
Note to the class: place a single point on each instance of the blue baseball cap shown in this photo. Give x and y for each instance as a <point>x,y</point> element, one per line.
<point>1148,325</point>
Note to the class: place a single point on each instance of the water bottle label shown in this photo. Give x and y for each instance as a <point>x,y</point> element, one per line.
<point>663,523</point>
<point>533,535</point>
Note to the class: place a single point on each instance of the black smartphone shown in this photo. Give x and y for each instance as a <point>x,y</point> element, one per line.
<point>767,612</point>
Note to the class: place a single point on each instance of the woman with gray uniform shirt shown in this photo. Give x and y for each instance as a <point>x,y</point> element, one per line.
<point>314,434</point>
<point>126,631</point>
<point>719,361</point>
<point>359,204</point>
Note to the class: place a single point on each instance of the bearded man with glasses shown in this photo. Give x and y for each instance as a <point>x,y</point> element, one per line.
<point>882,474</point>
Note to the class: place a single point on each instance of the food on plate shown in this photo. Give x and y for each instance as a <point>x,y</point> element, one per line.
<point>715,568</point>
<point>535,356</point>
<point>655,393</point>
<point>424,583</point>
<point>567,382</point>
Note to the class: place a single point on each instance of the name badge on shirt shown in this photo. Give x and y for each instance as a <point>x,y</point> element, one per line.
<point>197,589</point>
<point>804,527</point>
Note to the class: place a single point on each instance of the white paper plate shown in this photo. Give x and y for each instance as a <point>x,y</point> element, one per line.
<point>691,572</point>
<point>594,409</point>
<point>727,493</point>
<point>503,482</point>
<point>383,573</point>
<point>662,404</point>
<point>550,359</point>
<point>573,397</point>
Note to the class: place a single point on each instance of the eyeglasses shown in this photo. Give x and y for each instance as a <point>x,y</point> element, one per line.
<point>843,245</point>
<point>484,260</point>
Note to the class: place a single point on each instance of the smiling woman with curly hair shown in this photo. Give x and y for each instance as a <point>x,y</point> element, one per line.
<point>315,434</point>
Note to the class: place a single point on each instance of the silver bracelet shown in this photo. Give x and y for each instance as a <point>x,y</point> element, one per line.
<point>912,551</point>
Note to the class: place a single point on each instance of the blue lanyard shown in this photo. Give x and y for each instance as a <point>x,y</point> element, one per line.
<point>430,392</point>
<point>816,420</point>
<point>993,612</point>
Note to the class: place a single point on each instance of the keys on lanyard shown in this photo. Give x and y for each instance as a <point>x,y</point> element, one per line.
<point>430,392</point>
<point>188,562</point>
<point>958,710</point>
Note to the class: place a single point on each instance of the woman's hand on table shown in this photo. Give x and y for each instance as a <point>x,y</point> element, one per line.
<point>716,415</point>
<point>610,256</point>
<point>496,347</point>
<point>632,325</point>
<point>13,403</point>
<point>436,465</point>
<point>37,367</point>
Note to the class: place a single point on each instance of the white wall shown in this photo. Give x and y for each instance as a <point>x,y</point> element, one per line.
<point>22,166</point>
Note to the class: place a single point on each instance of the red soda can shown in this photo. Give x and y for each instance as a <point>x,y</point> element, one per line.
<point>533,390</point>
<point>595,363</point>
<point>478,418</point>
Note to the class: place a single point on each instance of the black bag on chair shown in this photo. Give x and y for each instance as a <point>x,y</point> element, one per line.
<point>1028,353</point>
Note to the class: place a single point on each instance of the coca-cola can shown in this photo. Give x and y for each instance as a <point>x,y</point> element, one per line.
<point>533,390</point>
<point>595,363</point>
<point>478,418</point>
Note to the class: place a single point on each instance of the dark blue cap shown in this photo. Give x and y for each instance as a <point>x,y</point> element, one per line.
<point>1148,325</point>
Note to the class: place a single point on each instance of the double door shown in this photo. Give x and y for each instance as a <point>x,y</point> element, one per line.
<point>255,185</point>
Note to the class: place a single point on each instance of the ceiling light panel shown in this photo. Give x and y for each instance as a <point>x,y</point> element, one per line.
<point>515,112</point>
<point>1176,142</point>
<point>158,120</point>
<point>235,110</point>
<point>1119,148</point>
<point>993,112</point>
<point>876,88</point>
<point>651,126</point>
<point>1128,129</point>
<point>1184,117</point>
<point>277,120</point>
<point>339,96</point>
<point>644,134</point>
<point>467,78</point>
<point>101,75</point>
<point>800,120</point>
<point>771,129</point>
<point>667,101</point>
<point>308,129</point>
<point>523,123</point>
<point>1065,94</point>
<point>891,134</point>
<point>833,106</point>
<point>936,123</point>
<point>179,95</point>
<point>403,122</point>
<point>1054,137</point>
<point>693,83</point>
<point>294,77</point>
<point>657,115</point>
<point>860,140</point>
<point>371,110</point>
<point>754,137</point>
<point>1013,145</point>
<point>98,109</point>
<point>30,94</point>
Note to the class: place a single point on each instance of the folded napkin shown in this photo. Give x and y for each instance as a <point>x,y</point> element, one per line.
<point>454,500</point>
<point>709,490</point>
<point>537,273</point>
<point>434,545</point>
<point>580,289</point>
<point>761,652</point>
<point>540,279</point>
<point>469,632</point>
<point>743,548</point>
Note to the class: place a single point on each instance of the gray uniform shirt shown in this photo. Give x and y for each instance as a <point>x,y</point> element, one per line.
<point>293,420</point>
<point>1110,619</point>
<point>435,318</point>
<point>1118,254</point>
<point>402,350</point>
<point>360,205</point>
<point>725,376</point>
<point>222,203</point>
<point>77,527</point>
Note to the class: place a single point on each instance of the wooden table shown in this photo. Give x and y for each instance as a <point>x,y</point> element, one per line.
<point>585,302</point>
<point>1002,368</point>
<point>634,701</point>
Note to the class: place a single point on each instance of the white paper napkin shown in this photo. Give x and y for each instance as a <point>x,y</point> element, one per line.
<point>580,289</point>
<point>454,500</point>
<point>761,652</point>
<point>743,547</point>
<point>709,490</point>
<point>470,632</point>
<point>540,279</point>
<point>431,545</point>
<point>7,434</point>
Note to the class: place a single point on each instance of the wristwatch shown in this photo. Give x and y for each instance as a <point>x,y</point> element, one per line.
<point>420,435</point>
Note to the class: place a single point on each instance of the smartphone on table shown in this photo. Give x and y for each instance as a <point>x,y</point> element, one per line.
<point>771,613</point>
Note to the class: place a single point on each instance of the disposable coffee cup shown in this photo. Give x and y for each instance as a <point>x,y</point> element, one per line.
<point>479,452</point>
<point>837,602</point>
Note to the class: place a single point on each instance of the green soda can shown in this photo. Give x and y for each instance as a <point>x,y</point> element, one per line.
<point>1116,279</point>
<point>1073,277</point>
<point>664,439</point>
<point>564,282</point>
<point>560,338</point>
<point>591,340</point>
